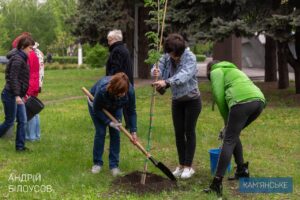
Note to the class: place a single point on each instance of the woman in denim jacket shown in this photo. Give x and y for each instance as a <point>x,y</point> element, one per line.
<point>178,69</point>
<point>111,93</point>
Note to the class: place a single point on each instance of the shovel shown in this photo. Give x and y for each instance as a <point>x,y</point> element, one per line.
<point>157,164</point>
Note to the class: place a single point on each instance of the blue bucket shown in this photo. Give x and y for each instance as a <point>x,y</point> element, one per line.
<point>214,157</point>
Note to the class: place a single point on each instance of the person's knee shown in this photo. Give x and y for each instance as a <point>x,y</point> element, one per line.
<point>100,133</point>
<point>115,135</point>
<point>230,140</point>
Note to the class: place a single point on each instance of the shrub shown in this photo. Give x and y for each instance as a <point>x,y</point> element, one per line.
<point>200,57</point>
<point>56,65</point>
<point>97,56</point>
<point>205,48</point>
<point>66,59</point>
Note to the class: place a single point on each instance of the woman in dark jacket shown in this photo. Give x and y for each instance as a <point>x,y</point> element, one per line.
<point>111,93</point>
<point>17,81</point>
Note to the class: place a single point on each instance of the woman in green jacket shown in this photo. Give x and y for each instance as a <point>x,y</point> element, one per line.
<point>240,102</point>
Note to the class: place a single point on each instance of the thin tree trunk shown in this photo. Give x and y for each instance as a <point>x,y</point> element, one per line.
<point>270,60</point>
<point>283,82</point>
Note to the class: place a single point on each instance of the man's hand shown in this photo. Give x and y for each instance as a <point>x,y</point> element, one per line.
<point>134,137</point>
<point>115,125</point>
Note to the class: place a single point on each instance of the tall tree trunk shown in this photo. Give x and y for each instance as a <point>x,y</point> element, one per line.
<point>270,60</point>
<point>295,62</point>
<point>297,68</point>
<point>143,68</point>
<point>129,34</point>
<point>297,79</point>
<point>283,72</point>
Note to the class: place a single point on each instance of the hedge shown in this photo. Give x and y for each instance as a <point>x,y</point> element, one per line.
<point>56,65</point>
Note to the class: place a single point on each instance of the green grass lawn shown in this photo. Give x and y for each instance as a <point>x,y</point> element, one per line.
<point>63,157</point>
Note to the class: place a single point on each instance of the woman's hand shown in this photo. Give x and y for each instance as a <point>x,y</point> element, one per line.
<point>134,138</point>
<point>19,100</point>
<point>160,84</point>
<point>115,125</point>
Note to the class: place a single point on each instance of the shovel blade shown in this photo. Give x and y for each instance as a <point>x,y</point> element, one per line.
<point>163,168</point>
<point>166,171</point>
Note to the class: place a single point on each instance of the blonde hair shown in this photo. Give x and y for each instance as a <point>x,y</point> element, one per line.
<point>115,34</point>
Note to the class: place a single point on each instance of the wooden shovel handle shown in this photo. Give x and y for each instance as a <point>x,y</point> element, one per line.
<point>112,118</point>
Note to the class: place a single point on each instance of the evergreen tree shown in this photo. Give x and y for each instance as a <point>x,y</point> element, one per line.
<point>217,19</point>
<point>94,18</point>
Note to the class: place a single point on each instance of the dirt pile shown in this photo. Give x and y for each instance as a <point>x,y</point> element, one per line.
<point>154,183</point>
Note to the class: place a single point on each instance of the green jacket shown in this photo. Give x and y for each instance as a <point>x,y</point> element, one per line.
<point>231,86</point>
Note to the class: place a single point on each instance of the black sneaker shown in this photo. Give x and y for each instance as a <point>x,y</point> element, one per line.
<point>242,171</point>
<point>23,149</point>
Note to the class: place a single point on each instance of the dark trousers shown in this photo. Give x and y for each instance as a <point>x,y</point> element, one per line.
<point>185,115</point>
<point>240,116</point>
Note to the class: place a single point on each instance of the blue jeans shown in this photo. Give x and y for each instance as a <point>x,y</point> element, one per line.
<point>10,108</point>
<point>99,140</point>
<point>13,110</point>
<point>33,131</point>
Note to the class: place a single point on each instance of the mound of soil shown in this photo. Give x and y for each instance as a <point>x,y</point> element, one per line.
<point>154,183</point>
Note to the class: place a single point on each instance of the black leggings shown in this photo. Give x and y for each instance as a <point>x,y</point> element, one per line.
<point>240,116</point>
<point>185,115</point>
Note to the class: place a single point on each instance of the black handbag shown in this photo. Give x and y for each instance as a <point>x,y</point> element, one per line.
<point>33,106</point>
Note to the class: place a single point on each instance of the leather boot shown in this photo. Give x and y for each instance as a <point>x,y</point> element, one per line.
<point>242,171</point>
<point>215,186</point>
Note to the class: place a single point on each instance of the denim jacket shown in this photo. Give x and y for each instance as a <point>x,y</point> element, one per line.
<point>184,79</point>
<point>104,100</point>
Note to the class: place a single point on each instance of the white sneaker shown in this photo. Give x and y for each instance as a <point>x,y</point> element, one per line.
<point>96,169</point>
<point>187,173</point>
<point>116,172</point>
<point>178,171</point>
